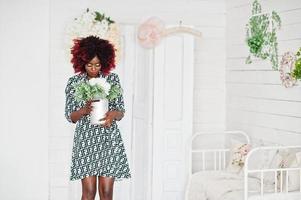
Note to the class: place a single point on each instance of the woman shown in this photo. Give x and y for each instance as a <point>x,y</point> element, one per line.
<point>98,150</point>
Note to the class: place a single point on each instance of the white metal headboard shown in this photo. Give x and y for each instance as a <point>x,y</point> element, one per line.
<point>282,171</point>
<point>219,154</point>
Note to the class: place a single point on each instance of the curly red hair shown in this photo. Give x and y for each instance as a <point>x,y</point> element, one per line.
<point>85,49</point>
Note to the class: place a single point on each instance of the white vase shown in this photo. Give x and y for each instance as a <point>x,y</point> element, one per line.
<point>99,110</point>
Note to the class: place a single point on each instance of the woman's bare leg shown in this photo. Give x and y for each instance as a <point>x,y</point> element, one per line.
<point>89,188</point>
<point>105,187</point>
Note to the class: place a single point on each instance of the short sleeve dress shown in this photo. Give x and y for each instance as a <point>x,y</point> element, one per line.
<point>97,150</point>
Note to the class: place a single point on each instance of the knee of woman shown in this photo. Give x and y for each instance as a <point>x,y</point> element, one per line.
<point>106,193</point>
<point>89,193</point>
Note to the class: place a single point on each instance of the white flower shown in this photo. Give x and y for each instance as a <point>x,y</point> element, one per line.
<point>101,82</point>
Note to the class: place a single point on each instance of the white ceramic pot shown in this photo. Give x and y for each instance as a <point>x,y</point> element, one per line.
<point>99,110</point>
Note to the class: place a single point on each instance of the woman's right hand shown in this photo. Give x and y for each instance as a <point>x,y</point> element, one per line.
<point>76,115</point>
<point>87,108</point>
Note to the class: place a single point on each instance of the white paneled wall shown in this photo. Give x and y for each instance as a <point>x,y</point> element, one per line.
<point>209,72</point>
<point>209,81</point>
<point>256,100</point>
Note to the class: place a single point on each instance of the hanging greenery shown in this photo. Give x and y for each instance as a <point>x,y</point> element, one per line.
<point>297,70</point>
<point>261,35</point>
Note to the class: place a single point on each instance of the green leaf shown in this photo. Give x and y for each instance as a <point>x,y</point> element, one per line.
<point>99,17</point>
<point>110,21</point>
<point>114,92</point>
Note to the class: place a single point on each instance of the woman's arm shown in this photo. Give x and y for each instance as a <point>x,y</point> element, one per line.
<point>118,115</point>
<point>116,107</point>
<point>115,115</point>
<point>76,115</point>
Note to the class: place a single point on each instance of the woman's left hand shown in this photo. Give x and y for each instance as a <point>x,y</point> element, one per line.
<point>110,116</point>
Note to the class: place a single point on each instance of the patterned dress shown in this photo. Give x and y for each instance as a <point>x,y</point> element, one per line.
<point>97,150</point>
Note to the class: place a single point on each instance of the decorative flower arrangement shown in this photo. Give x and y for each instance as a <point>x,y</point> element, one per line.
<point>96,89</point>
<point>287,65</point>
<point>261,35</point>
<point>150,32</point>
<point>97,24</point>
<point>297,71</point>
<point>240,154</point>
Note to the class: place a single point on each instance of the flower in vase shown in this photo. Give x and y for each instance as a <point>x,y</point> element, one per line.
<point>102,83</point>
<point>96,88</point>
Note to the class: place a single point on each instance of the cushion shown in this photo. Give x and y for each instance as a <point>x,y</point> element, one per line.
<point>238,153</point>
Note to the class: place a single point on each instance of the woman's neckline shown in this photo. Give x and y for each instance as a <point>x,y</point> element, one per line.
<point>99,75</point>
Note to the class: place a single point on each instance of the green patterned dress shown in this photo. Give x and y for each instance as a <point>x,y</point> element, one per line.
<point>97,150</point>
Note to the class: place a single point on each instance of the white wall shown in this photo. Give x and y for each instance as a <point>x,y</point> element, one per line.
<point>24,80</point>
<point>209,77</point>
<point>256,100</point>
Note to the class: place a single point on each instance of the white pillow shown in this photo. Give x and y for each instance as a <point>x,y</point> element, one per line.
<point>238,153</point>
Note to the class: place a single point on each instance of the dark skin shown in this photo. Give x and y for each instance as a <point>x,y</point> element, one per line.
<point>105,188</point>
<point>105,184</point>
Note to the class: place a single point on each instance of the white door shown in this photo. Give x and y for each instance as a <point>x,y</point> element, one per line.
<point>172,115</point>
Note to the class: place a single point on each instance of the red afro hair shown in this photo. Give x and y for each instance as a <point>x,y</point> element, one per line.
<point>85,49</point>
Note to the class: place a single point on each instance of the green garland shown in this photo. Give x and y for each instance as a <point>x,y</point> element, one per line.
<point>297,70</point>
<point>261,35</point>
